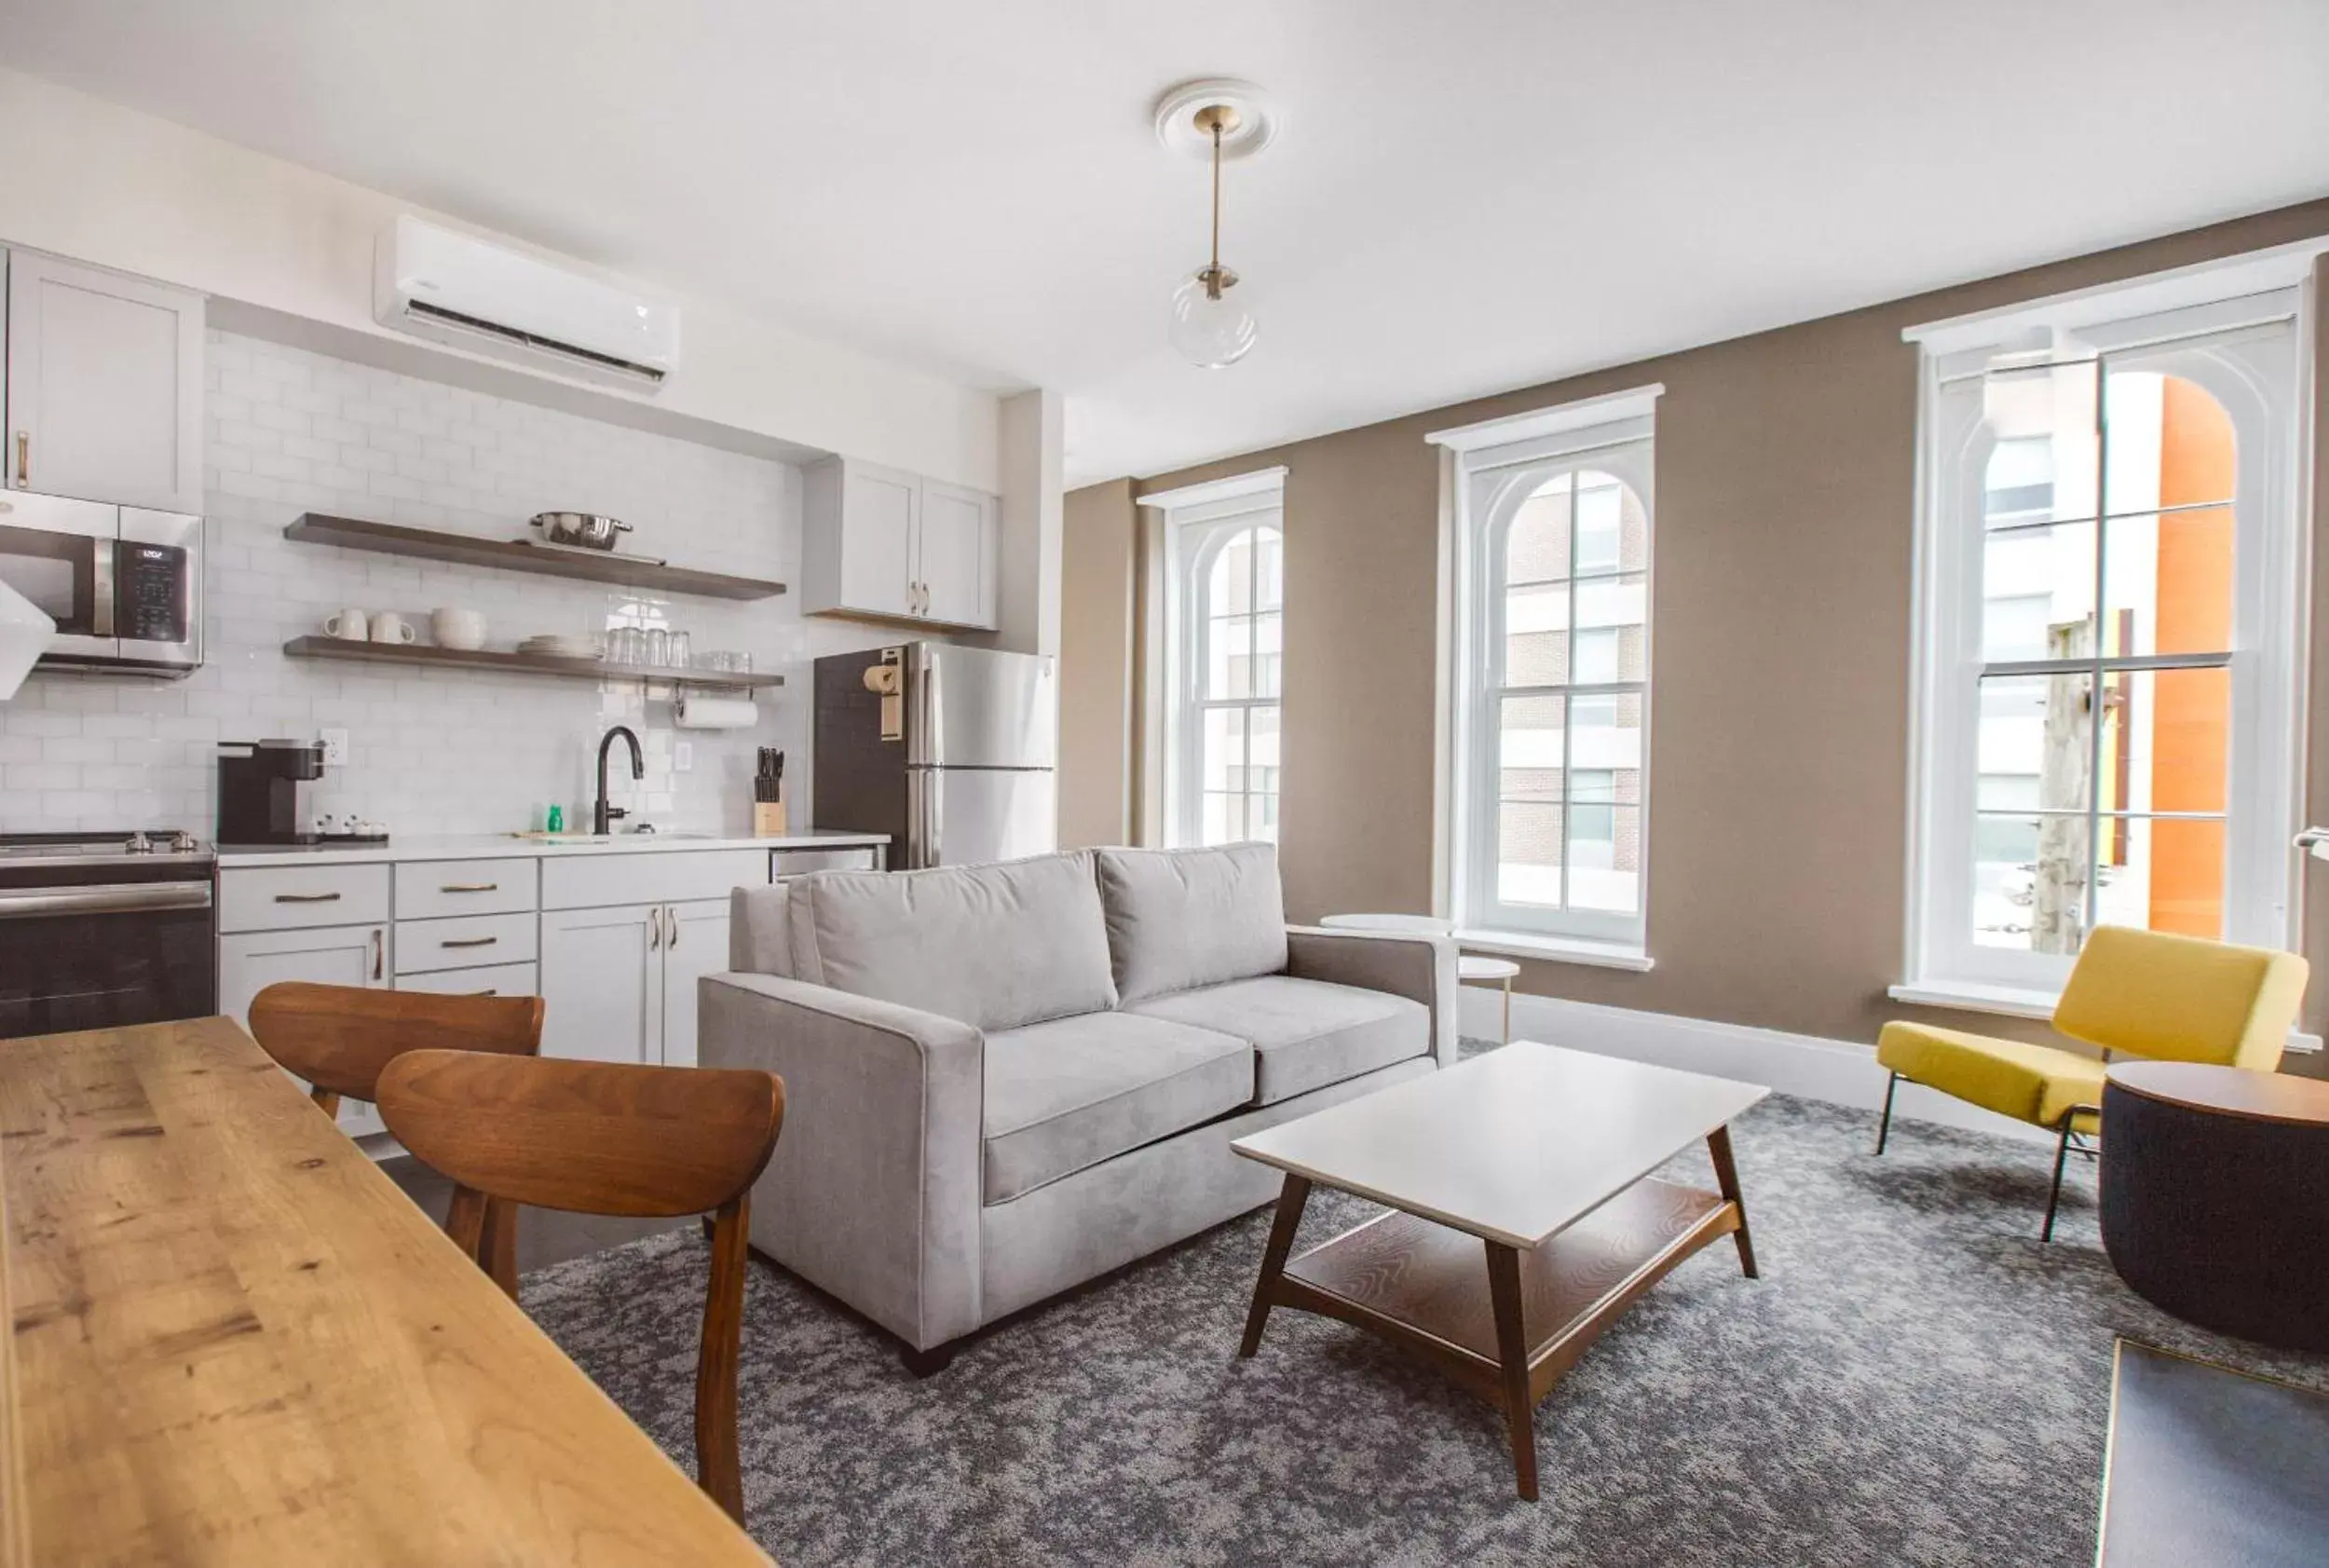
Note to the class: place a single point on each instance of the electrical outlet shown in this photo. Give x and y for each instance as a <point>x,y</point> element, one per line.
<point>335,748</point>
<point>683,757</point>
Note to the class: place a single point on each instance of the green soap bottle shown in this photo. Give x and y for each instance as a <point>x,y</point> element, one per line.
<point>556,820</point>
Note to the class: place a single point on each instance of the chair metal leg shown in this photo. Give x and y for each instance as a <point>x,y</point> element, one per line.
<point>1884,1128</point>
<point>2055,1197</point>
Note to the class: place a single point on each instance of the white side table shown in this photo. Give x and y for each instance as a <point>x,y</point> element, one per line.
<point>1471,968</point>
<point>1476,968</point>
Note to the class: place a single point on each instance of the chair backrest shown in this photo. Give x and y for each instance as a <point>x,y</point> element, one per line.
<point>340,1038</point>
<point>591,1137</point>
<point>2149,994</point>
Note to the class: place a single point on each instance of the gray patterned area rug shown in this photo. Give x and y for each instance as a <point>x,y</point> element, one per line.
<point>1915,1379</point>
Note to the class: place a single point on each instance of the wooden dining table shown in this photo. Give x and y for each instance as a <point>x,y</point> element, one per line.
<point>234,1340</point>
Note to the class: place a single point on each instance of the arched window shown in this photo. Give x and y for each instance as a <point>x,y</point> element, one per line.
<point>1551,790</point>
<point>1237,598</point>
<point>1223,622</point>
<point>2106,670</point>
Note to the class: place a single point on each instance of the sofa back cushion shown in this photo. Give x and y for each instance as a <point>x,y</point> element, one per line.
<point>996,947</point>
<point>1180,918</point>
<point>760,939</point>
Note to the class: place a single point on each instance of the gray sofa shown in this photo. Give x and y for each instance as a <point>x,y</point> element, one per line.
<point>1002,1081</point>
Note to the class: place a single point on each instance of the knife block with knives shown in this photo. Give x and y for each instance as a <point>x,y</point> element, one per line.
<point>768,795</point>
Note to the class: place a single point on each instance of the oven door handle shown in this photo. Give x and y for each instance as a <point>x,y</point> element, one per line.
<point>108,898</point>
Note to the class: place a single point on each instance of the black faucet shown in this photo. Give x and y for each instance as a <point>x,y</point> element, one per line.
<point>601,815</point>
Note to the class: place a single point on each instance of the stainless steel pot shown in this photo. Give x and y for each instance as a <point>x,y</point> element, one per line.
<point>587,529</point>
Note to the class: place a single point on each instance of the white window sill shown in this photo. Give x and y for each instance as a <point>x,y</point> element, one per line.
<point>2014,1002</point>
<point>1969,996</point>
<point>1555,950</point>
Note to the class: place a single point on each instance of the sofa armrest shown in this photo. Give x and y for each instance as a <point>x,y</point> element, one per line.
<point>1419,967</point>
<point>873,1193</point>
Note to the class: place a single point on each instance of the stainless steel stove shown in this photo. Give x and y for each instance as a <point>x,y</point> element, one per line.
<point>98,930</point>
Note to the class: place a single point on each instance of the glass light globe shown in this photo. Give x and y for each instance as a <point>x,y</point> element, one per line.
<point>1211,333</point>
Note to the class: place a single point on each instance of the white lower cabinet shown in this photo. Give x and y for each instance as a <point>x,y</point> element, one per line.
<point>357,955</point>
<point>602,974</point>
<point>620,983</point>
<point>695,944</point>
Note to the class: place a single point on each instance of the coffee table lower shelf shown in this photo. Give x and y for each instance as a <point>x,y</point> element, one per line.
<point>1419,1285</point>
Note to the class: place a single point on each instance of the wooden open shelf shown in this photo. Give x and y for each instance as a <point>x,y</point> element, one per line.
<point>518,555</point>
<point>521,663</point>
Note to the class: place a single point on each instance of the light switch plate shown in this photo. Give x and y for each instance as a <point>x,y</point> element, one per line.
<point>335,748</point>
<point>683,757</point>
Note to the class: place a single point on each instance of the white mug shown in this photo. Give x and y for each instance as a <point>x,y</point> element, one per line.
<point>463,629</point>
<point>348,625</point>
<point>388,627</point>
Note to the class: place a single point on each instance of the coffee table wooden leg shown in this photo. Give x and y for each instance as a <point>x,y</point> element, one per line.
<point>1726,1178</point>
<point>1292,1199</point>
<point>1512,1349</point>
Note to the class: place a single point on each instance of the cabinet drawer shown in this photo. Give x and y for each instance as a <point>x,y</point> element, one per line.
<point>464,942</point>
<point>649,877</point>
<point>426,889</point>
<point>296,897</point>
<point>501,979</point>
<point>800,863</point>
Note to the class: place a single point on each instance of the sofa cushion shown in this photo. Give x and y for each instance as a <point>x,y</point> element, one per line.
<point>1306,1033</point>
<point>1178,919</point>
<point>994,945</point>
<point>1066,1094</point>
<point>759,939</point>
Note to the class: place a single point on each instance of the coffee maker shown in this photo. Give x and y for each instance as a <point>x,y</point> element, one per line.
<point>260,800</point>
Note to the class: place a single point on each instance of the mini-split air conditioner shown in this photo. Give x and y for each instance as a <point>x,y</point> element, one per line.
<point>451,288</point>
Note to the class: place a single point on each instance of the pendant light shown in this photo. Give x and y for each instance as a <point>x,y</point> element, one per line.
<point>1210,326</point>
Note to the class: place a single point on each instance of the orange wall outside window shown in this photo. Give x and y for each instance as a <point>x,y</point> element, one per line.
<point>2189,737</point>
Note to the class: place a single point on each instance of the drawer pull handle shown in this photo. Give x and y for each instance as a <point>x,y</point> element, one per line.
<point>307,898</point>
<point>489,991</point>
<point>470,887</point>
<point>469,941</point>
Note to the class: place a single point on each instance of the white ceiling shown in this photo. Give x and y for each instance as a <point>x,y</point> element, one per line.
<point>1467,196</point>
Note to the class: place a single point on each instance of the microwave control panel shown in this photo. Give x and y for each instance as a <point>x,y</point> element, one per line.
<point>150,594</point>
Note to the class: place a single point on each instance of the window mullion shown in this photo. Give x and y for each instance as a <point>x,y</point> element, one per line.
<point>2092,870</point>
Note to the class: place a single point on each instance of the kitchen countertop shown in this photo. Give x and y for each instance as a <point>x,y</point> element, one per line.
<point>504,846</point>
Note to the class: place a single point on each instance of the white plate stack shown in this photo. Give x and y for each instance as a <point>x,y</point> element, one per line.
<point>560,645</point>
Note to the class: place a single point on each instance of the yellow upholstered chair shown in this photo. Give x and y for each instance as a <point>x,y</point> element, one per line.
<point>2137,993</point>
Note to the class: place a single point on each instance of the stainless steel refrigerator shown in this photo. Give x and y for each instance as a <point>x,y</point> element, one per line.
<point>949,750</point>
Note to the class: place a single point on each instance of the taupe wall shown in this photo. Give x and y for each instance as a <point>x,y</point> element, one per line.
<point>1781,605</point>
<point>1095,670</point>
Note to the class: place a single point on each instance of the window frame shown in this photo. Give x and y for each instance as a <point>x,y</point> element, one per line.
<point>2248,349</point>
<point>1493,469</point>
<point>1199,522</point>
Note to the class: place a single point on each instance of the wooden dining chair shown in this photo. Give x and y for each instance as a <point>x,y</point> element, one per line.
<point>605,1137</point>
<point>339,1039</point>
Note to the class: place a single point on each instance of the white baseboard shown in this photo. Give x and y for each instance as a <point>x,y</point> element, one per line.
<point>1806,1065</point>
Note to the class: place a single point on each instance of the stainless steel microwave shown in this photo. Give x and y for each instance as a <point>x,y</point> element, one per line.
<point>123,584</point>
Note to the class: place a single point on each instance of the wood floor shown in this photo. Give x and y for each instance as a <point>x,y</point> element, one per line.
<point>545,1236</point>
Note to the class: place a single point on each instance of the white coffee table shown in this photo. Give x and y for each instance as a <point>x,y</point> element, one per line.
<point>1525,1170</point>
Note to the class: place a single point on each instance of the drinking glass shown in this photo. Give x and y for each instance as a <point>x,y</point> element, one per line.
<point>658,646</point>
<point>676,651</point>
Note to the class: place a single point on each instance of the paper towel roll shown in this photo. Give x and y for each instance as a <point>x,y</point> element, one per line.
<point>692,712</point>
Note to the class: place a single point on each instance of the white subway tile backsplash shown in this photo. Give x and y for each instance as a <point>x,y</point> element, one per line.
<point>287,431</point>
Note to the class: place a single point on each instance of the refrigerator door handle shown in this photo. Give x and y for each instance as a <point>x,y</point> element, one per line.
<point>923,793</point>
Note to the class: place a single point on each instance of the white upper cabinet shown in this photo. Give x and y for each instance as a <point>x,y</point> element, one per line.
<point>897,547</point>
<point>956,562</point>
<point>105,389</point>
<point>881,514</point>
